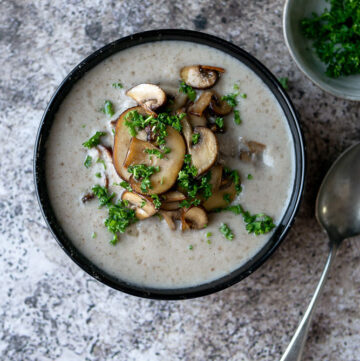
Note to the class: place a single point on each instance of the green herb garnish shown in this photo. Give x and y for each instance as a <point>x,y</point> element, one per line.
<point>108,108</point>
<point>120,216</point>
<point>284,83</point>
<point>219,121</point>
<point>195,138</point>
<point>88,161</point>
<point>250,176</point>
<point>209,234</point>
<point>143,172</point>
<point>93,235</point>
<point>191,247</point>
<point>231,99</point>
<point>98,175</point>
<point>336,37</point>
<point>237,118</point>
<point>156,201</point>
<point>226,231</point>
<point>102,162</point>
<point>117,85</point>
<point>226,198</point>
<point>234,175</point>
<point>125,185</point>
<point>143,204</point>
<point>155,152</point>
<point>94,140</point>
<point>187,89</point>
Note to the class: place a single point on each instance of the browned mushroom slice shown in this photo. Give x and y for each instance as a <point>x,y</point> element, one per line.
<point>176,99</point>
<point>170,218</point>
<point>220,199</point>
<point>197,121</point>
<point>195,218</point>
<point>144,207</point>
<point>216,175</point>
<point>149,96</point>
<point>216,68</point>
<point>169,166</point>
<point>250,150</point>
<point>170,206</point>
<point>201,104</point>
<point>198,76</point>
<point>122,141</point>
<point>173,196</point>
<point>220,107</point>
<point>205,151</point>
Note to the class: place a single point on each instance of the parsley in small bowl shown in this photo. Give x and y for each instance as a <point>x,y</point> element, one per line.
<point>323,37</point>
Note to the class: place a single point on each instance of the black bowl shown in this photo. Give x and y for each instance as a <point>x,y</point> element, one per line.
<point>94,59</point>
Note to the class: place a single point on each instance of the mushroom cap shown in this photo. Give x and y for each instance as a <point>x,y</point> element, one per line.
<point>195,218</point>
<point>199,76</point>
<point>201,104</point>
<point>149,96</point>
<point>217,199</point>
<point>141,211</point>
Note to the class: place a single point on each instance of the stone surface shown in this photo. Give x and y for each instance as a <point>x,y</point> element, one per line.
<point>51,310</point>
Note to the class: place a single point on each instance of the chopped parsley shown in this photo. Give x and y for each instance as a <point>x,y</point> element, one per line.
<point>195,138</point>
<point>257,223</point>
<point>98,175</point>
<point>125,185</point>
<point>209,234</point>
<point>113,131</point>
<point>243,95</point>
<point>135,121</point>
<point>108,108</point>
<point>237,118</point>
<point>192,185</point>
<point>187,89</point>
<point>117,85</point>
<point>94,140</point>
<point>231,99</point>
<point>284,83</point>
<point>156,201</point>
<point>120,216</point>
<point>236,87</point>
<point>143,172</point>
<point>234,175</point>
<point>219,121</point>
<point>336,37</point>
<point>250,176</point>
<point>226,231</point>
<point>191,247</point>
<point>88,161</point>
<point>143,204</point>
<point>102,162</point>
<point>157,152</point>
<point>93,235</point>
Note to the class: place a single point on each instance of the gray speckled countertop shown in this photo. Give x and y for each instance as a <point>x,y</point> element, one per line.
<point>51,310</point>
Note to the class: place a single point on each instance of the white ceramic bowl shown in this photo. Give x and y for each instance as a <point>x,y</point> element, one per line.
<point>304,55</point>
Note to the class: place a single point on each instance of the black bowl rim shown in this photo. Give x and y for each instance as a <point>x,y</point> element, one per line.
<point>187,292</point>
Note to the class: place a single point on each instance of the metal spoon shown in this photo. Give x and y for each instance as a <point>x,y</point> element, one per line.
<point>338,212</point>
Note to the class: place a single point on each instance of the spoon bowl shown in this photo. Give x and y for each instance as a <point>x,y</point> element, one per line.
<point>338,200</point>
<point>338,212</point>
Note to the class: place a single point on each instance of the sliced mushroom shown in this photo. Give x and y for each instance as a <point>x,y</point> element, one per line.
<point>195,218</point>
<point>205,151</point>
<point>250,150</point>
<point>197,121</point>
<point>217,199</point>
<point>173,196</point>
<point>199,76</point>
<point>122,141</point>
<point>169,166</point>
<point>220,107</point>
<point>144,207</point>
<point>149,96</point>
<point>170,218</point>
<point>170,206</point>
<point>216,175</point>
<point>201,104</point>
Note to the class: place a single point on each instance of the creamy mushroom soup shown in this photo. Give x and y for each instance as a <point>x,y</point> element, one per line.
<point>170,247</point>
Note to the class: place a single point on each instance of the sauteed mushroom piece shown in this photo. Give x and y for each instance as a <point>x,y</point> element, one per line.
<point>144,206</point>
<point>195,218</point>
<point>149,96</point>
<point>200,76</point>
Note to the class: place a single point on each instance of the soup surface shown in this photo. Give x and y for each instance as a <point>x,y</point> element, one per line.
<point>149,253</point>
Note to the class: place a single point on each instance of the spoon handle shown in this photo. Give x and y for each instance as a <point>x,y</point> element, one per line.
<point>296,346</point>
